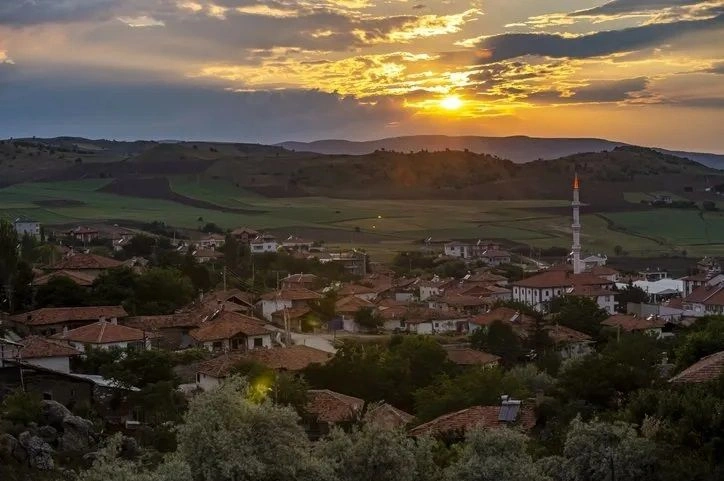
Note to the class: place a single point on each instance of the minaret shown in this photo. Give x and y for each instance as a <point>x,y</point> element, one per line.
<point>576,228</point>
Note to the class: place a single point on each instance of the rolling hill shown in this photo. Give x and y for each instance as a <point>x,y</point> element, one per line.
<point>519,149</point>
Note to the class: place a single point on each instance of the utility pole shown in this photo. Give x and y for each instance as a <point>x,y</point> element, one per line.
<point>224,277</point>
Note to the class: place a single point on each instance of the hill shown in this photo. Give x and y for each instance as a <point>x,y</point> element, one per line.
<point>519,149</point>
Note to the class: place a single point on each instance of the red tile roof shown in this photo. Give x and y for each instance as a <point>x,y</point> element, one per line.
<point>102,332</point>
<point>562,278</point>
<point>354,290</point>
<point>465,356</point>
<point>76,262</point>
<point>80,278</point>
<point>155,323</point>
<point>300,279</point>
<point>295,294</point>
<point>56,315</point>
<point>603,271</point>
<point>35,347</point>
<point>351,304</point>
<point>458,300</point>
<point>476,416</point>
<point>333,407</point>
<point>504,314</point>
<point>706,369</point>
<point>707,295</point>
<point>293,313</point>
<point>388,416</point>
<point>292,358</point>
<point>631,323</point>
<point>393,312</point>
<point>565,335</point>
<point>227,325</point>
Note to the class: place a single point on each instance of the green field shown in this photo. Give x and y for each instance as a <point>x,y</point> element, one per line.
<point>384,225</point>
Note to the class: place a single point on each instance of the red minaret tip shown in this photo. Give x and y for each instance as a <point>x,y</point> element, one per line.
<point>575,182</point>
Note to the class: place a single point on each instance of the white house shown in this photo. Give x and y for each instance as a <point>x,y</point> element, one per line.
<point>496,257</point>
<point>264,243</point>
<point>272,302</point>
<point>47,353</point>
<point>27,226</point>
<point>570,344</point>
<point>705,300</point>
<point>105,335</point>
<point>538,290</point>
<point>459,249</point>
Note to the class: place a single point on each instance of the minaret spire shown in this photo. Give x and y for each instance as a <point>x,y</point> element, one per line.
<point>576,228</point>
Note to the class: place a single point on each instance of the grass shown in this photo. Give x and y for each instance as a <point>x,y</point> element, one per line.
<point>393,224</point>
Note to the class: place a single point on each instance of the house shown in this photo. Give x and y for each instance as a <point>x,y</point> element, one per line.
<point>593,261</point>
<point>393,316</point>
<point>570,344</point>
<point>232,331</point>
<point>264,243</point>
<point>297,243</point>
<point>432,321</point>
<point>52,320</point>
<point>355,262</point>
<point>522,324</point>
<point>306,281</point>
<point>706,369</point>
<point>453,426</point>
<point>90,264</point>
<point>24,226</point>
<point>387,416</point>
<point>605,298</point>
<point>459,303</point>
<point>467,250</point>
<point>289,359</point>
<point>229,300</point>
<point>357,290</point>
<point>211,242</point>
<point>653,275</point>
<point>45,352</point>
<point>83,234</point>
<point>272,302</point>
<point>435,287</point>
<point>495,257</point>
<point>347,308</point>
<point>245,234</point>
<point>204,256</point>
<point>299,319</point>
<point>538,290</point>
<point>83,279</point>
<point>326,409</point>
<point>606,272</point>
<point>465,356</point>
<point>651,325</point>
<point>105,335</point>
<point>169,331</point>
<point>707,299</point>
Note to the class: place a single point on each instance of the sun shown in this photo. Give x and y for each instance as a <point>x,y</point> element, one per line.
<point>451,102</point>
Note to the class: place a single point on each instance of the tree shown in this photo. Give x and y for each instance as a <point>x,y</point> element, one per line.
<point>707,337</point>
<point>8,255</point>
<point>159,402</point>
<point>632,294</point>
<point>599,451</point>
<point>21,407</point>
<point>114,287</point>
<point>140,245</point>
<point>366,318</point>
<point>23,287</point>
<point>226,437</point>
<point>493,455</point>
<point>579,313</point>
<point>499,339</point>
<point>140,368</point>
<point>162,291</point>
<point>61,291</point>
<point>375,453</point>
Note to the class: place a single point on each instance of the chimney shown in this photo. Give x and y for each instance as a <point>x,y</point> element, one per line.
<point>114,321</point>
<point>65,331</point>
<point>504,399</point>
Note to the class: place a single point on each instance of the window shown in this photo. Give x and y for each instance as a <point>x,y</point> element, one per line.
<point>258,342</point>
<point>47,396</point>
<point>217,345</point>
<point>198,378</point>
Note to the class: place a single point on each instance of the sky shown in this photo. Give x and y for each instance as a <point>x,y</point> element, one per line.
<point>649,72</point>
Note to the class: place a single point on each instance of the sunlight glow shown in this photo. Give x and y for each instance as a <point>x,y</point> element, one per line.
<point>451,102</point>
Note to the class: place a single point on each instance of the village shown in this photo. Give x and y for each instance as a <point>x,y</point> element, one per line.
<point>499,312</point>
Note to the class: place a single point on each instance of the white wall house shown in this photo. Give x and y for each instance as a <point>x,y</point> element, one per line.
<point>26,226</point>
<point>105,335</point>
<point>264,243</point>
<point>459,249</point>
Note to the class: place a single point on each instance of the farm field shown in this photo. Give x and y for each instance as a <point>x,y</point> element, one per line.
<point>381,226</point>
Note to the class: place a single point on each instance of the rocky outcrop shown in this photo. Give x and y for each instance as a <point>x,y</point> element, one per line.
<point>39,453</point>
<point>77,435</point>
<point>8,445</point>
<point>53,413</point>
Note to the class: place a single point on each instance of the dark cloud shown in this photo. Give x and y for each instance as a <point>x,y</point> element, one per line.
<point>512,45</point>
<point>717,68</point>
<point>601,91</point>
<point>69,104</point>
<point>618,7</point>
<point>28,12</point>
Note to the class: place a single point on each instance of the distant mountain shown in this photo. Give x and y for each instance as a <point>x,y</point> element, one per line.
<point>519,149</point>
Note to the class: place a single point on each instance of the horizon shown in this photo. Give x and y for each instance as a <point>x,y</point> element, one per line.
<point>641,72</point>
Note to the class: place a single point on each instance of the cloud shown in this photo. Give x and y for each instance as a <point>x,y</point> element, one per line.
<point>618,7</point>
<point>29,12</point>
<point>717,68</point>
<point>598,91</point>
<point>512,45</point>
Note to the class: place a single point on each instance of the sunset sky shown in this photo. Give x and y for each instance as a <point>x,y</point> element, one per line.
<point>649,72</point>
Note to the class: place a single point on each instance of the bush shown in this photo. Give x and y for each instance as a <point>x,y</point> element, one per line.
<point>21,407</point>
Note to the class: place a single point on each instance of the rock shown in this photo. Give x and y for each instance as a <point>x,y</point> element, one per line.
<point>53,413</point>
<point>129,448</point>
<point>77,434</point>
<point>8,444</point>
<point>48,434</point>
<point>89,459</point>
<point>40,454</point>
